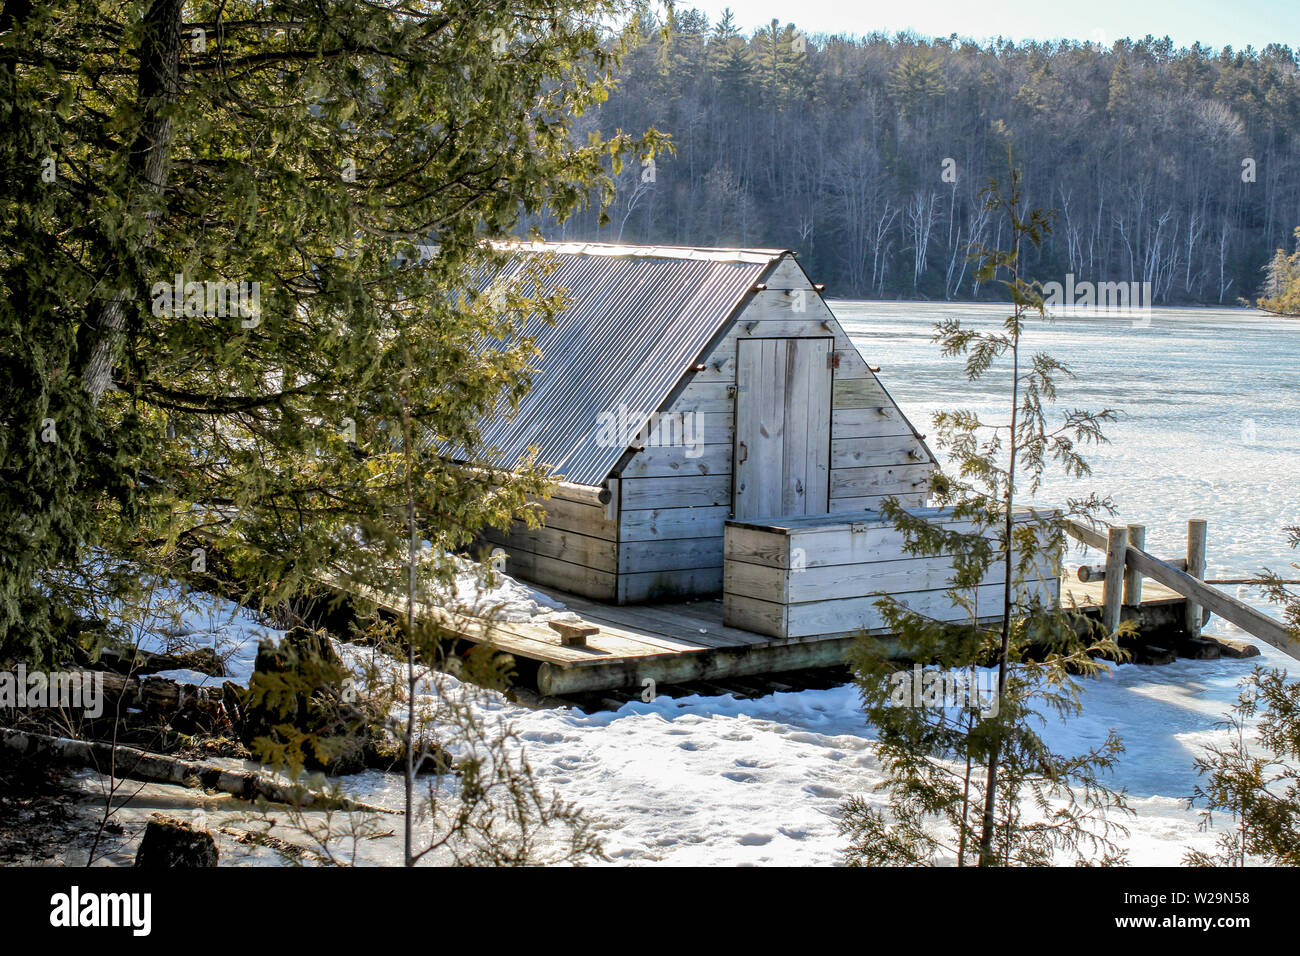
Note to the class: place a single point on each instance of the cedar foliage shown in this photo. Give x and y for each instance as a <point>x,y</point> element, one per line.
<point>319,149</point>
<point>974,780</point>
<point>329,175</point>
<point>1255,777</point>
<point>1257,786</point>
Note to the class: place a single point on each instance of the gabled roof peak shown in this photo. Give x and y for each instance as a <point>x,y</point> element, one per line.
<point>695,253</point>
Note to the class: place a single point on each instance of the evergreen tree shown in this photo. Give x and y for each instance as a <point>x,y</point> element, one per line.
<point>916,83</point>
<point>1282,282</point>
<point>730,61</point>
<point>974,779</point>
<point>205,207</point>
<point>1119,102</point>
<point>1257,782</point>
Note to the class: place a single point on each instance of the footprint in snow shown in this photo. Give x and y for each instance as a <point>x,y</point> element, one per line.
<point>631,853</point>
<point>740,777</point>
<point>755,839</point>
<point>817,790</point>
<point>543,737</point>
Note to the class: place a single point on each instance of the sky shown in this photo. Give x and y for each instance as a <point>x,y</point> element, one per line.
<point>1214,23</point>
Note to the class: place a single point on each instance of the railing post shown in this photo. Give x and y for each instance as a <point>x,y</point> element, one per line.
<point>1196,535</point>
<point>1137,538</point>
<point>1132,576</point>
<point>1113,589</point>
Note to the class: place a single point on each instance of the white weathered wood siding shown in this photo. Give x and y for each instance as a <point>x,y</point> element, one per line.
<point>575,550</point>
<point>811,577</point>
<point>672,508</point>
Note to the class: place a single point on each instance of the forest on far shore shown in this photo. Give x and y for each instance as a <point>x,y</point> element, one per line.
<point>1177,167</point>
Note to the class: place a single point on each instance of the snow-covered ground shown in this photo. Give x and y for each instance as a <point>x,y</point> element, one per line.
<point>722,781</point>
<point>197,621</point>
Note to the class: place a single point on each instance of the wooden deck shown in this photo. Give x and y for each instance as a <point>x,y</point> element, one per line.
<point>1089,595</point>
<point>632,648</point>
<point>671,643</point>
<point>675,643</point>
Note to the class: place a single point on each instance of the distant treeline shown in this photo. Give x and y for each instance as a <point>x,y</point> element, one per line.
<point>1178,167</point>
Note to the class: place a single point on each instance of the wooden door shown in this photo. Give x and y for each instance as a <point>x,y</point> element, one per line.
<point>783,427</point>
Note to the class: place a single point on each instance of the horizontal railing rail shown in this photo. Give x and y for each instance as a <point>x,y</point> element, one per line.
<point>1125,561</point>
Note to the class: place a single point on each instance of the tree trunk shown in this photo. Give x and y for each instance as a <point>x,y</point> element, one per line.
<point>158,89</point>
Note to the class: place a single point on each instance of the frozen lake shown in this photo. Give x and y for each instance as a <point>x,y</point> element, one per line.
<point>1211,423</point>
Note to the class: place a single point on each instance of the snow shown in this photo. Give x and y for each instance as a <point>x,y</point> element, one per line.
<point>235,633</point>
<point>203,621</point>
<point>480,591</point>
<point>723,781</point>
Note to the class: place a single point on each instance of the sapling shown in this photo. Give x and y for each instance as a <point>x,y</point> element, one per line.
<point>961,773</point>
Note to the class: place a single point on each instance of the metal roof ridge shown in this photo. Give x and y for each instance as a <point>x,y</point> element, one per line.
<point>697,253</point>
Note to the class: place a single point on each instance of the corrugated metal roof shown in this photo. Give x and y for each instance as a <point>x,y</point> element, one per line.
<point>638,318</point>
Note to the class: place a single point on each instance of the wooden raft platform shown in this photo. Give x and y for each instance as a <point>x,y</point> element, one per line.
<point>675,643</point>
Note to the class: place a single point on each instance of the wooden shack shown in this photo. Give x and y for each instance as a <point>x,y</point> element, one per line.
<point>681,388</point>
<point>722,451</point>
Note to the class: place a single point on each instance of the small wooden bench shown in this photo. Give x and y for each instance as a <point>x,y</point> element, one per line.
<point>574,635</point>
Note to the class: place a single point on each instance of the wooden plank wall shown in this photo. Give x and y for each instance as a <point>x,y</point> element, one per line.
<point>792,583</point>
<point>672,507</point>
<point>575,550</point>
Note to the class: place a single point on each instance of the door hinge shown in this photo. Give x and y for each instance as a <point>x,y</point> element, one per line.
<point>833,360</point>
<point>734,390</point>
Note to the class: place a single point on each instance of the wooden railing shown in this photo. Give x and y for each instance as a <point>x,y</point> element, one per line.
<point>1126,565</point>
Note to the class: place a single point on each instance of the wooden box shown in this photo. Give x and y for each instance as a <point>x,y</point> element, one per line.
<point>821,575</point>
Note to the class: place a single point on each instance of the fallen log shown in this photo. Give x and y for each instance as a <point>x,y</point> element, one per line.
<point>134,661</point>
<point>155,693</point>
<point>283,847</point>
<point>131,763</point>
